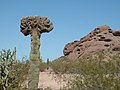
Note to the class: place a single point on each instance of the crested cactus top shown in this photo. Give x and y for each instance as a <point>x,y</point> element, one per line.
<point>41,24</point>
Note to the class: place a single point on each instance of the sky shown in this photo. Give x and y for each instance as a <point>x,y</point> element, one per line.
<point>72,19</point>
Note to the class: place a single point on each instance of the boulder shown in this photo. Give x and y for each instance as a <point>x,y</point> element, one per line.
<point>100,39</point>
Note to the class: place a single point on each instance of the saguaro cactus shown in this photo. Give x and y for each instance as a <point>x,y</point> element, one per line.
<point>35,26</point>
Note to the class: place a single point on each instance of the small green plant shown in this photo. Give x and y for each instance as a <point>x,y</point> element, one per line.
<point>12,71</point>
<point>7,72</point>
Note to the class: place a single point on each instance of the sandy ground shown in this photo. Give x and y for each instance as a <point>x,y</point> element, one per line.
<point>47,79</point>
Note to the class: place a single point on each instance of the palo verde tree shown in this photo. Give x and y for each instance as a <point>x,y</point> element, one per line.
<point>35,26</point>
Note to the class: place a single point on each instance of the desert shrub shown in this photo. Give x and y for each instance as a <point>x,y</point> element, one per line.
<point>12,71</point>
<point>93,73</point>
<point>60,65</point>
<point>98,76</point>
<point>42,66</point>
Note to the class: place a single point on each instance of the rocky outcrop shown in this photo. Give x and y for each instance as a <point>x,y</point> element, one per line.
<point>100,39</point>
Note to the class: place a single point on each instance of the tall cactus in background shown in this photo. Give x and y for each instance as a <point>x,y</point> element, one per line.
<point>7,75</point>
<point>35,26</point>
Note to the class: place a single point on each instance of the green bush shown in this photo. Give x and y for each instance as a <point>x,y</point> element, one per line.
<point>61,65</point>
<point>42,66</point>
<point>98,76</point>
<point>12,71</point>
<point>93,73</point>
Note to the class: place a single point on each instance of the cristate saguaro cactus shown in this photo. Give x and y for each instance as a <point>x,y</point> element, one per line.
<point>35,26</point>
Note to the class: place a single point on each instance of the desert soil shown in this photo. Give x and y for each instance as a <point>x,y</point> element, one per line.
<point>49,79</point>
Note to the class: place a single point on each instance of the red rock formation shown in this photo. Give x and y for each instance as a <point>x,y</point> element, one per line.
<point>101,38</point>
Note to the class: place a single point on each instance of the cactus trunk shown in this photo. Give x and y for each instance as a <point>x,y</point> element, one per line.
<point>33,76</point>
<point>35,26</point>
